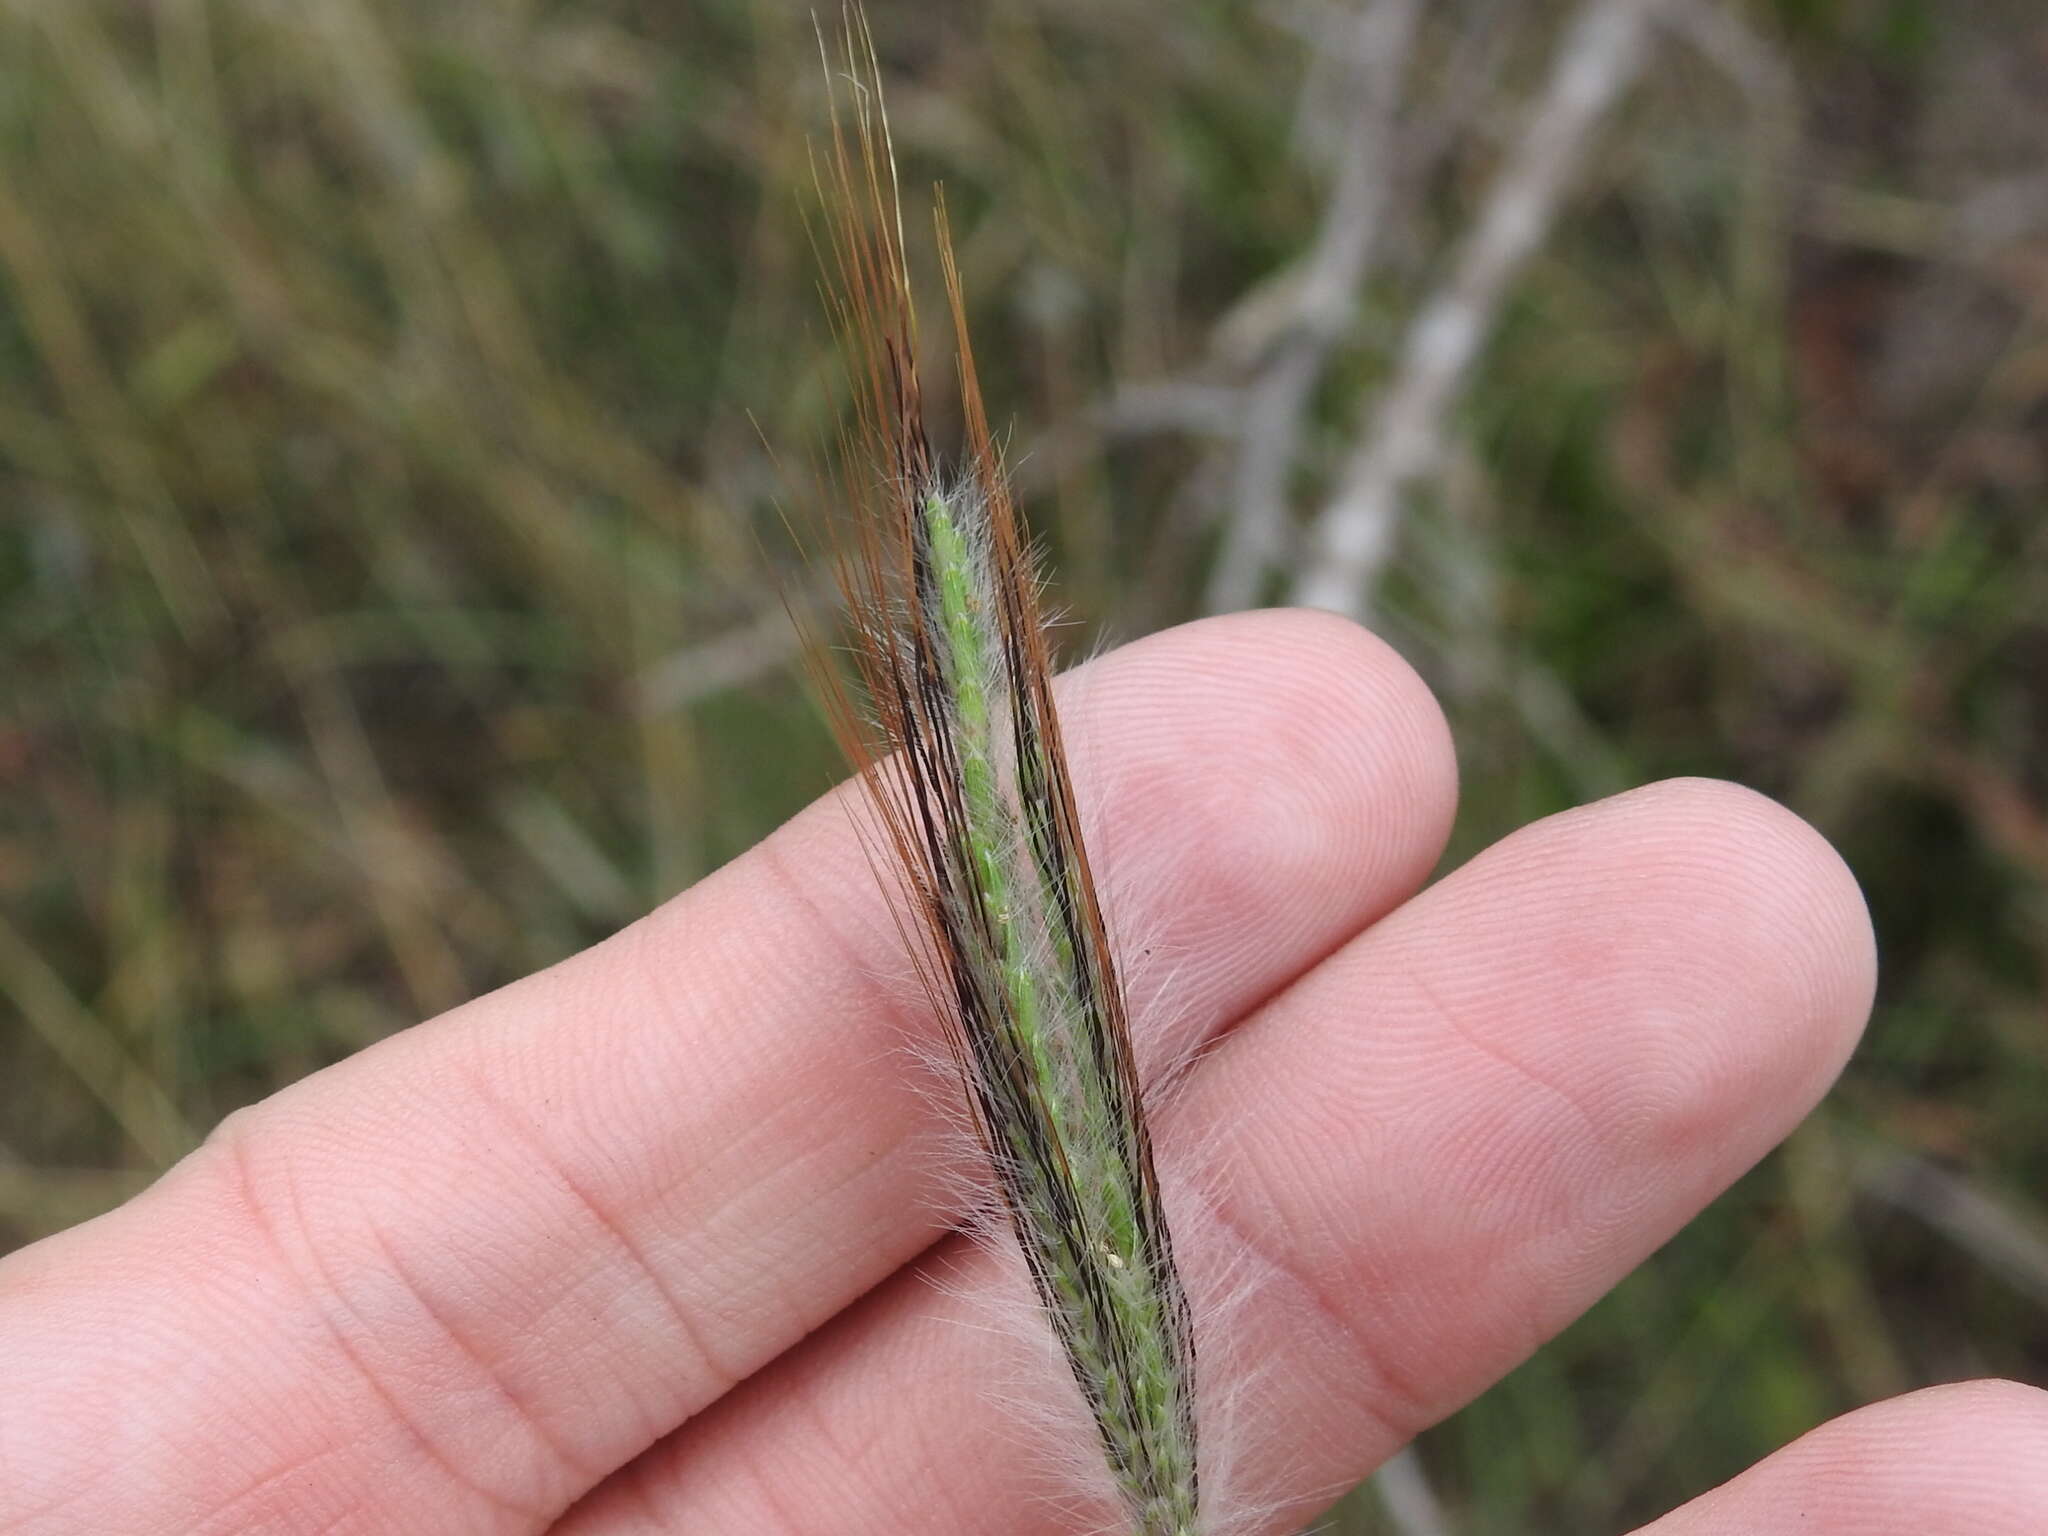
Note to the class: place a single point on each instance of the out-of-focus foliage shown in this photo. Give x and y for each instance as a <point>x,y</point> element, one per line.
<point>389,555</point>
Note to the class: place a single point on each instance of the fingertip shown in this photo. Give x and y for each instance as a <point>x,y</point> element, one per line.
<point>1320,752</point>
<point>1758,899</point>
<point>1971,1456</point>
<point>1494,1102</point>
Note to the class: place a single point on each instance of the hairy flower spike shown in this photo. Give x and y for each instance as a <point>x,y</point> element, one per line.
<point>959,744</point>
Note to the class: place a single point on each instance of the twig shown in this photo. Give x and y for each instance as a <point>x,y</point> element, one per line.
<point>2002,1239</point>
<point>753,649</point>
<point>1374,60</point>
<point>1411,1505</point>
<point>1732,46</point>
<point>1353,537</point>
<point>1187,406</point>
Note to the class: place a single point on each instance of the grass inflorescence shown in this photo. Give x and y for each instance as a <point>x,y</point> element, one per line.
<point>959,743</point>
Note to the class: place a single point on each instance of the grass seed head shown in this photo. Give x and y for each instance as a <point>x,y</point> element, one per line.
<point>953,726</point>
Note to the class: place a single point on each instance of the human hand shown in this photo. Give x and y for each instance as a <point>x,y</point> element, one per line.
<point>635,1244</point>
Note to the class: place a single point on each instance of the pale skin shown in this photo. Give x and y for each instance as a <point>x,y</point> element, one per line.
<point>634,1245</point>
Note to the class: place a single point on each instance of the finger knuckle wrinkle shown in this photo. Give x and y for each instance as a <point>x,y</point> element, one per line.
<point>1395,1404</point>
<point>369,1339</point>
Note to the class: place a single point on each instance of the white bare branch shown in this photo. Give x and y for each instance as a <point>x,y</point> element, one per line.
<point>1371,60</point>
<point>1353,537</point>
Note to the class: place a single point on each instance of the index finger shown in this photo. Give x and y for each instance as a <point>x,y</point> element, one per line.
<point>473,1269</point>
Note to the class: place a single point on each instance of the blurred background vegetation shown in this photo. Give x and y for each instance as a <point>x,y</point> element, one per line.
<point>384,609</point>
